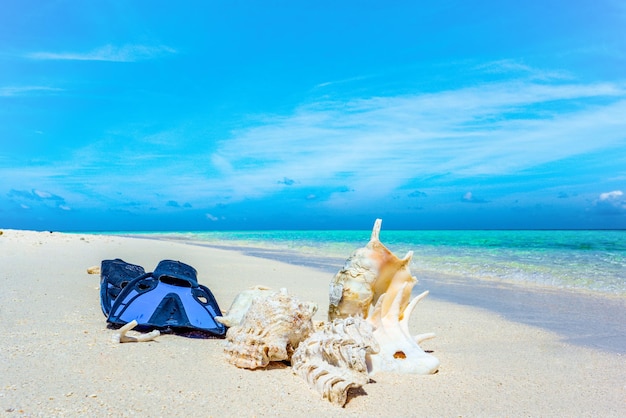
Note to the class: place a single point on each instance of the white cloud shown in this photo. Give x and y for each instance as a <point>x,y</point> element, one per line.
<point>126,53</point>
<point>611,203</point>
<point>611,195</point>
<point>211,217</point>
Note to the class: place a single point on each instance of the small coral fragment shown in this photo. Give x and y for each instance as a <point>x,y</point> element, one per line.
<point>121,337</point>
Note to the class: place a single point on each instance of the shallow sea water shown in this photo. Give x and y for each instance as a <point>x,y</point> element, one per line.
<point>587,260</point>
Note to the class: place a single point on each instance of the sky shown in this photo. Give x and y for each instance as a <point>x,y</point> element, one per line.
<point>245,115</point>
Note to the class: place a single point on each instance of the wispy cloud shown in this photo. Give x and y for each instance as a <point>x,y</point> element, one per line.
<point>370,147</point>
<point>377,145</point>
<point>37,197</point>
<point>125,53</point>
<point>211,217</point>
<point>25,90</point>
<point>344,81</point>
<point>515,67</point>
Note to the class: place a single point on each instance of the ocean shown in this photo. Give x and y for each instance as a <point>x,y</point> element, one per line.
<point>591,260</point>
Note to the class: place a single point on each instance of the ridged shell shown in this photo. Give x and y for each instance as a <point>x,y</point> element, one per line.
<point>333,359</point>
<point>270,331</point>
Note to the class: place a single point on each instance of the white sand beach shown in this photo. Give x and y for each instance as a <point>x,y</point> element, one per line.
<point>57,357</point>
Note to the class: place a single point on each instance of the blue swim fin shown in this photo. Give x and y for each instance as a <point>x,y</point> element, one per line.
<point>114,276</point>
<point>170,297</point>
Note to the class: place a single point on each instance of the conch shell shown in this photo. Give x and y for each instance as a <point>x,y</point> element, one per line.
<point>375,284</point>
<point>270,331</point>
<point>241,304</point>
<point>333,359</point>
<point>367,274</point>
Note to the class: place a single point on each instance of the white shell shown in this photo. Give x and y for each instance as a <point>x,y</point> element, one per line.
<point>333,359</point>
<point>241,304</point>
<point>399,351</point>
<point>270,331</point>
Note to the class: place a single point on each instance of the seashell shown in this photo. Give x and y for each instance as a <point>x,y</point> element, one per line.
<point>377,285</point>
<point>401,281</point>
<point>270,331</point>
<point>365,276</point>
<point>333,359</point>
<point>399,351</point>
<point>241,304</point>
<point>93,270</point>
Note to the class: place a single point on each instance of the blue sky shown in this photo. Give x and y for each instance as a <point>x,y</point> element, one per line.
<point>150,115</point>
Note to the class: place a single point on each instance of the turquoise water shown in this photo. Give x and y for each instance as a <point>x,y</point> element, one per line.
<point>590,260</point>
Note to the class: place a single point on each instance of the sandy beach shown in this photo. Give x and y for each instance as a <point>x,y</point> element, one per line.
<point>57,357</point>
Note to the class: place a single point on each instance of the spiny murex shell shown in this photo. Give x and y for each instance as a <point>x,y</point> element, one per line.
<point>333,359</point>
<point>241,304</point>
<point>365,276</point>
<point>270,331</point>
<point>399,351</point>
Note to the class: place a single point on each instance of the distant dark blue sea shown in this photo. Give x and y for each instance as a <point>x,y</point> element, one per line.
<point>586,260</point>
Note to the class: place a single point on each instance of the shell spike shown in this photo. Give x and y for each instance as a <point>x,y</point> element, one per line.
<point>393,311</point>
<point>411,306</point>
<point>376,230</point>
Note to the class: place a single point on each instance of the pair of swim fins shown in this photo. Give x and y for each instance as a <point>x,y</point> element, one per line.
<point>168,298</point>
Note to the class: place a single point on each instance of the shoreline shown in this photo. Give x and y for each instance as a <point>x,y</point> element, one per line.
<point>332,263</point>
<point>58,359</point>
<point>586,318</point>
